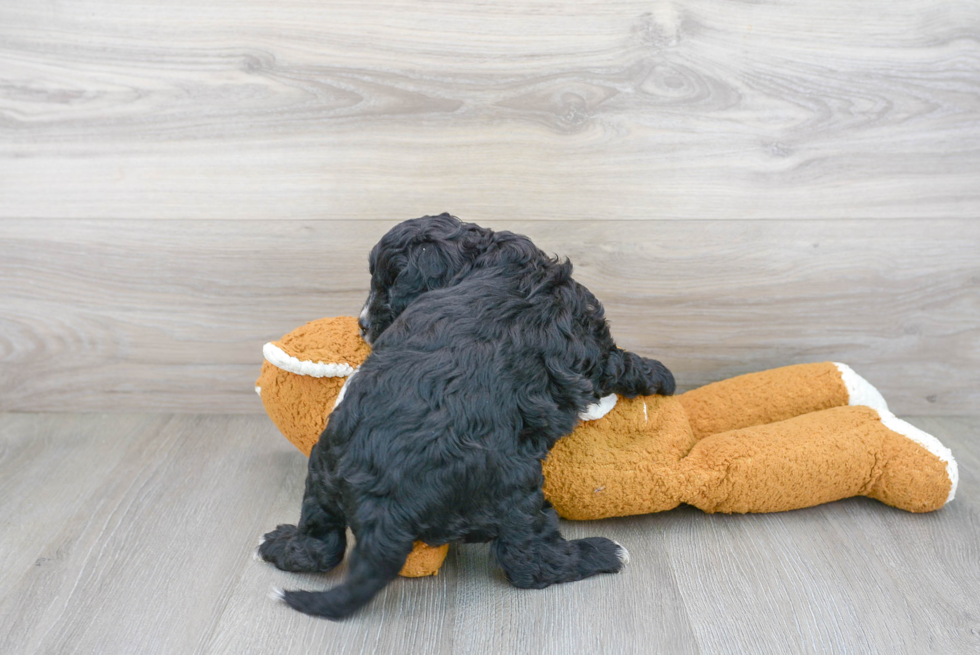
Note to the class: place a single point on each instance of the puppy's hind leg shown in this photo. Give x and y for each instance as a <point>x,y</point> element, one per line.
<point>632,375</point>
<point>534,555</point>
<point>318,542</point>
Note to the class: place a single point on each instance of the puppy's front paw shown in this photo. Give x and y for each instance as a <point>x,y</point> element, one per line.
<point>658,377</point>
<point>633,375</point>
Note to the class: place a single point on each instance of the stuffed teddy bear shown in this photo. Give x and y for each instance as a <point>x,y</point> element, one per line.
<point>777,440</point>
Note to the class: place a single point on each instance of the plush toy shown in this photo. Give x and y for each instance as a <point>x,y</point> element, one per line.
<point>782,439</point>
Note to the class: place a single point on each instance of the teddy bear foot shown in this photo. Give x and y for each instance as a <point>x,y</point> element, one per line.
<point>859,390</point>
<point>291,550</point>
<point>919,473</point>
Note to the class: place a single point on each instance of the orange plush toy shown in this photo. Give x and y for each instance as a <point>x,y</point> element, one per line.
<point>781,439</point>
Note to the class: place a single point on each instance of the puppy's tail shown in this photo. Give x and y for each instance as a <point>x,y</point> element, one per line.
<point>370,571</point>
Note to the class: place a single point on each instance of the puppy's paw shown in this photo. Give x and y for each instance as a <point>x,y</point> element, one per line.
<point>622,553</point>
<point>600,555</point>
<point>290,549</point>
<point>272,544</point>
<point>633,375</point>
<point>658,378</point>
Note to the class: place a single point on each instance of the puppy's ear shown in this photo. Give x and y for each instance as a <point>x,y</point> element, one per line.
<point>427,267</point>
<point>432,265</point>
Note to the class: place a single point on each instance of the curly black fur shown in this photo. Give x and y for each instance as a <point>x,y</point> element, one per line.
<point>485,352</point>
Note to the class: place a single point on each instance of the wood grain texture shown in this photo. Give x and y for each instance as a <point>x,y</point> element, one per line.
<point>133,533</point>
<point>172,315</point>
<point>141,563</point>
<point>631,109</point>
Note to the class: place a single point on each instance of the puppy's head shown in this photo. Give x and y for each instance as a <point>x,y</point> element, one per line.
<point>416,256</point>
<point>430,253</point>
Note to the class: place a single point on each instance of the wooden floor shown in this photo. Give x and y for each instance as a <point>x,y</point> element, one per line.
<point>134,534</point>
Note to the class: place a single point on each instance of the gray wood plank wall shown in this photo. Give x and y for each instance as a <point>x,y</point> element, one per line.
<point>744,184</point>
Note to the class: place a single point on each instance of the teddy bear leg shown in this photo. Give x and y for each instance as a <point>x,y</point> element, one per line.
<point>534,555</point>
<point>776,395</point>
<point>817,458</point>
<point>317,543</point>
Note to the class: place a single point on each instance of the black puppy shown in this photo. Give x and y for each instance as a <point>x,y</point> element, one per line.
<point>485,352</point>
